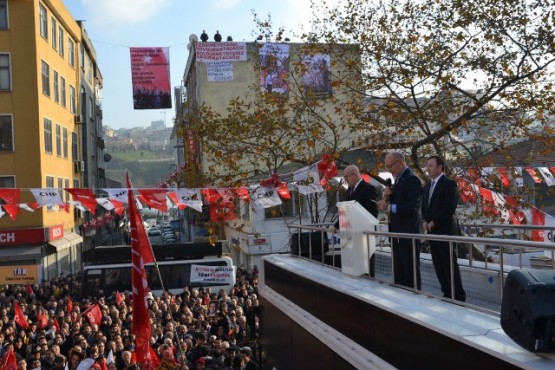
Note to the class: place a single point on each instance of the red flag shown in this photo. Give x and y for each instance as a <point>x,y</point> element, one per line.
<point>11,197</point>
<point>155,198</point>
<point>504,176</point>
<point>534,175</point>
<point>140,251</point>
<point>42,319</point>
<point>466,190</point>
<point>516,215</point>
<point>19,318</point>
<point>488,203</point>
<point>175,200</point>
<point>283,191</point>
<point>119,207</point>
<point>85,196</point>
<point>94,314</point>
<point>57,325</point>
<point>69,305</point>
<point>29,289</point>
<point>154,360</point>
<point>139,237</point>
<point>119,298</point>
<point>222,211</point>
<point>8,361</point>
<point>211,195</point>
<point>242,193</point>
<point>538,218</point>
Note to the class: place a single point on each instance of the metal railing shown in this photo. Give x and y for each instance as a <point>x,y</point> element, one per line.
<point>323,254</point>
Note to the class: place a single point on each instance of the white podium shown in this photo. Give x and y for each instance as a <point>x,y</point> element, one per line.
<point>356,248</point>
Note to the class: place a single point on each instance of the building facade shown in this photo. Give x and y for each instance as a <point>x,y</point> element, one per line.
<point>49,126</point>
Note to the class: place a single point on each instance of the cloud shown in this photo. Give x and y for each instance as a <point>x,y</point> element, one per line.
<point>124,11</point>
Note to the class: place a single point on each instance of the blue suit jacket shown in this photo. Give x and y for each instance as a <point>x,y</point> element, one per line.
<point>407,195</point>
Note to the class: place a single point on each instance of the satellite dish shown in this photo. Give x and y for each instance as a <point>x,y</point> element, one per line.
<point>107,157</point>
<point>193,38</point>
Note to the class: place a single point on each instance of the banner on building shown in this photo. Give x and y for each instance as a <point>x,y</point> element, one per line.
<point>221,51</point>
<point>212,274</point>
<point>150,74</point>
<point>317,75</point>
<point>274,65</point>
<point>219,71</point>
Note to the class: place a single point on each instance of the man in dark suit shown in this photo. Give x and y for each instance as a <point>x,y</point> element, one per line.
<point>362,192</point>
<point>438,214</point>
<point>402,202</point>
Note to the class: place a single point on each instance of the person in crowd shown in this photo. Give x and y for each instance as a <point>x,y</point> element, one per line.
<point>439,204</point>
<point>402,203</point>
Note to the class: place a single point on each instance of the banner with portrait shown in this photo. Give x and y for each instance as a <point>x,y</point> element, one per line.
<point>150,75</point>
<point>317,75</point>
<point>274,68</point>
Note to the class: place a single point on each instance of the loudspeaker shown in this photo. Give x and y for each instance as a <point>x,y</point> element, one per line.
<point>306,238</point>
<point>528,309</point>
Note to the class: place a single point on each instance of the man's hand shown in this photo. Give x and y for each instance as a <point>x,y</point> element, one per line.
<point>383,205</point>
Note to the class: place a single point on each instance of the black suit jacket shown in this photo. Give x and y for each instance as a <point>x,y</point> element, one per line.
<point>441,208</point>
<point>367,195</point>
<point>407,194</point>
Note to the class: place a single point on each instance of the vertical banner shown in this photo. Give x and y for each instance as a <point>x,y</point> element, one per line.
<point>274,64</point>
<point>317,76</point>
<point>150,74</point>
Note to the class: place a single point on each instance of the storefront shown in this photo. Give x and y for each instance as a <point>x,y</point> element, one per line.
<point>32,254</point>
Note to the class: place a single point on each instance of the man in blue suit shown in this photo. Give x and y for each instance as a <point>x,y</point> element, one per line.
<point>438,213</point>
<point>402,202</point>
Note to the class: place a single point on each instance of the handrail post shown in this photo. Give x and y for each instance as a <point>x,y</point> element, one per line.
<point>414,264</point>
<point>501,271</point>
<point>452,269</point>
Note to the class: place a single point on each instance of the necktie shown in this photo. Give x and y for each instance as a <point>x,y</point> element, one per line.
<point>432,185</point>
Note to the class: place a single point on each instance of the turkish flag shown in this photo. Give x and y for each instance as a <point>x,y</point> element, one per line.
<point>11,196</point>
<point>516,214</point>
<point>8,361</point>
<point>119,298</point>
<point>93,314</point>
<point>19,318</point>
<point>466,190</point>
<point>85,196</point>
<point>140,253</point>
<point>155,198</point>
<point>283,191</point>
<point>503,174</point>
<point>488,203</point>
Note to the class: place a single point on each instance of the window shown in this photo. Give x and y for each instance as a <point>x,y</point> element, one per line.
<point>288,208</point>
<point>7,181</point>
<point>43,19</point>
<point>58,140</point>
<point>54,29</point>
<point>71,52</point>
<point>5,72</point>
<point>6,133</point>
<point>90,108</point>
<point>47,135</point>
<point>74,146</point>
<point>63,91</point>
<point>65,146</point>
<point>66,185</point>
<point>50,184</point>
<point>61,41</point>
<point>45,78</point>
<point>89,70</point>
<point>3,14</point>
<point>56,88</point>
<point>60,183</point>
<point>72,101</point>
<point>82,56</point>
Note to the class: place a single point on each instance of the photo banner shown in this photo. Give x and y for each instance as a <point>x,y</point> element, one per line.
<point>274,64</point>
<point>150,75</point>
<point>212,274</point>
<point>317,76</point>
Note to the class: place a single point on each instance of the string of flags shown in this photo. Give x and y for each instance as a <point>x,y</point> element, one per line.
<point>269,193</point>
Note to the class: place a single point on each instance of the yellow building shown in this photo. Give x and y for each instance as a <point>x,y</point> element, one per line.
<point>48,87</point>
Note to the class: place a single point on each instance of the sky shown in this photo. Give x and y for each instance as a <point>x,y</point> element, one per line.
<point>116,25</point>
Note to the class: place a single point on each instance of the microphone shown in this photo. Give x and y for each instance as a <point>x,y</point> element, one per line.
<point>388,183</point>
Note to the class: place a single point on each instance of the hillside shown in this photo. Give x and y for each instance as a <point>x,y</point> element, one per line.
<point>146,167</point>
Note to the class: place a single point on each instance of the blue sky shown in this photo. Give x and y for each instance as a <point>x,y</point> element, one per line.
<point>115,25</point>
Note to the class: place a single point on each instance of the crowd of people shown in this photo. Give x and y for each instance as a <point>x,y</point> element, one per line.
<point>196,329</point>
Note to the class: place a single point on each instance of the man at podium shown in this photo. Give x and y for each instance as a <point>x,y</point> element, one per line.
<point>363,193</point>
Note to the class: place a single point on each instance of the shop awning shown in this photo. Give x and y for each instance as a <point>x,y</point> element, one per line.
<point>67,241</point>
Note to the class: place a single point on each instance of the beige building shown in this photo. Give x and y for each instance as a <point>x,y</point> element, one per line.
<point>49,111</point>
